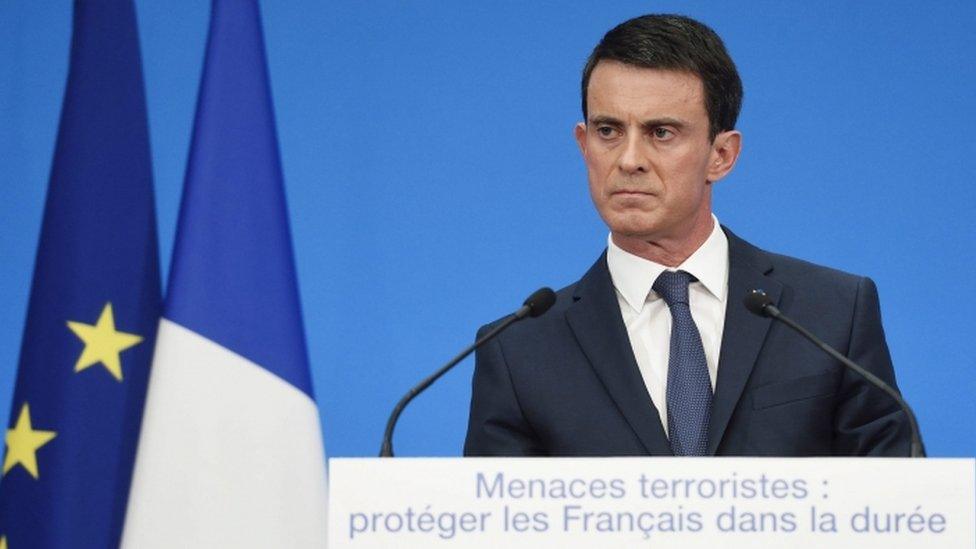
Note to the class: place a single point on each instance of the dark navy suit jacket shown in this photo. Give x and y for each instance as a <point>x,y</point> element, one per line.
<point>567,383</point>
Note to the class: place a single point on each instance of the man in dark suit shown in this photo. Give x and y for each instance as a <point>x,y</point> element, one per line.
<point>652,352</point>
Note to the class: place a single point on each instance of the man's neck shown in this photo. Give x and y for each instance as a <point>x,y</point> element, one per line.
<point>669,252</point>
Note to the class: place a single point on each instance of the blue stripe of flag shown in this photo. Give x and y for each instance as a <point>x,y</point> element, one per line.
<point>232,278</point>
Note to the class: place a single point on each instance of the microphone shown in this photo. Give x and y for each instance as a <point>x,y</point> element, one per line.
<point>536,304</point>
<point>760,304</point>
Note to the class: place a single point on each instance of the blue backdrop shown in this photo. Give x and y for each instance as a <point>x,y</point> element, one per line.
<point>433,179</point>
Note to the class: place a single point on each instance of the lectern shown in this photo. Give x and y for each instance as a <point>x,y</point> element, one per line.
<point>714,503</point>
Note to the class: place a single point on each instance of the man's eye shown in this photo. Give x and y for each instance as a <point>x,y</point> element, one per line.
<point>606,131</point>
<point>663,133</point>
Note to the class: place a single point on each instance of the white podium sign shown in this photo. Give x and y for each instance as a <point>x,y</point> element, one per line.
<point>652,502</point>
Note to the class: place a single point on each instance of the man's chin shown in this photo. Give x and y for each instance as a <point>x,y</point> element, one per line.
<point>636,225</point>
<point>634,234</point>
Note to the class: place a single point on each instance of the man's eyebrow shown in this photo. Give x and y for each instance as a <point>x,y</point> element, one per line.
<point>647,124</point>
<point>663,121</point>
<point>607,120</point>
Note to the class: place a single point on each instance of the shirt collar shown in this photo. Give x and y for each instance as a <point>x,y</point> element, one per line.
<point>634,276</point>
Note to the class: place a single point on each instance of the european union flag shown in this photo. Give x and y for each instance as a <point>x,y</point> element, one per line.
<point>94,304</point>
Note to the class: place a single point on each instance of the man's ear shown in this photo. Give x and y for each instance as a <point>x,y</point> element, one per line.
<point>725,151</point>
<point>580,133</point>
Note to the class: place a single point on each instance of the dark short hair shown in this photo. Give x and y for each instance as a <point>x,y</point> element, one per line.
<point>679,43</point>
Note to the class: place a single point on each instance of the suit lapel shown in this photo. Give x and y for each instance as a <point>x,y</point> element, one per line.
<point>599,328</point>
<point>743,334</point>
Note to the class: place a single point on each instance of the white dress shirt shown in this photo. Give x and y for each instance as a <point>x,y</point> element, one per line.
<point>648,318</point>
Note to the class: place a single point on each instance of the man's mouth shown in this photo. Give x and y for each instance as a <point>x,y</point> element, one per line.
<point>632,192</point>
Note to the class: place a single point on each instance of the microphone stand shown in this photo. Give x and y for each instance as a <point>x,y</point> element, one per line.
<point>539,302</point>
<point>759,303</point>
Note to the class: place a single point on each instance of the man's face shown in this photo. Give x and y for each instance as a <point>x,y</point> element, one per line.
<point>648,154</point>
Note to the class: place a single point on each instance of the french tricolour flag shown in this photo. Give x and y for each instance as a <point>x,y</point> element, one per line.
<point>230,453</point>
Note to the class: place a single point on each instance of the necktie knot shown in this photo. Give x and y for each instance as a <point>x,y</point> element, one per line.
<point>672,286</point>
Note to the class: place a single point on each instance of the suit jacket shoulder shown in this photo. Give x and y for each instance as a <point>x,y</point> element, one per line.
<point>567,383</point>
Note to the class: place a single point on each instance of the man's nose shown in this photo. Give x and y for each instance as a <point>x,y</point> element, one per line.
<point>632,159</point>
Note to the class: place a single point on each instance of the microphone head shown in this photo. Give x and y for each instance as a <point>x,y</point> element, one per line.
<point>757,302</point>
<point>540,301</point>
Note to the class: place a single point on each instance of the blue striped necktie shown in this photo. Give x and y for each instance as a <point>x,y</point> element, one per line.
<point>689,393</point>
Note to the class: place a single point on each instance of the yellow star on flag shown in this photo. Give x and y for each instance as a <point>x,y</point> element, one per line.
<point>23,442</point>
<point>102,343</point>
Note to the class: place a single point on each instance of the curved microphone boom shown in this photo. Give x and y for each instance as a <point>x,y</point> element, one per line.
<point>539,302</point>
<point>760,304</point>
